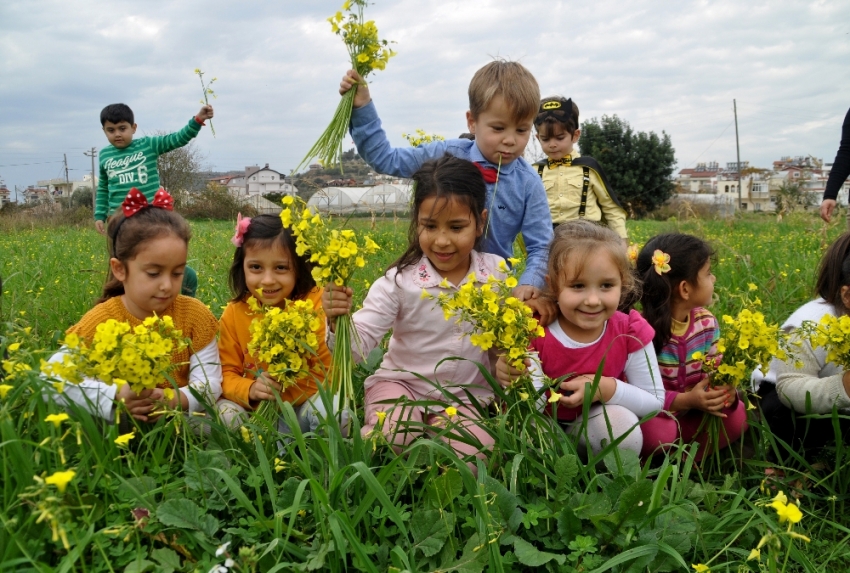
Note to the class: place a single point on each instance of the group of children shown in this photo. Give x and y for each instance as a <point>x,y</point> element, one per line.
<point>471,199</point>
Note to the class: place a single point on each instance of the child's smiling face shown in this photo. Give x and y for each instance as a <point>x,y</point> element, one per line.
<point>500,137</point>
<point>269,273</point>
<point>119,134</point>
<point>448,230</point>
<point>589,296</point>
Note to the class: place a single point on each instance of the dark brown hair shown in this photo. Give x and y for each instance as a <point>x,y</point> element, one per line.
<point>129,234</point>
<point>574,243</point>
<point>449,178</point>
<point>834,273</point>
<point>512,81</point>
<point>688,254</point>
<point>263,232</point>
<point>547,119</point>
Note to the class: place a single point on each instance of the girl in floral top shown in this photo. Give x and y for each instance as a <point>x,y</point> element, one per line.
<point>677,285</point>
<point>448,220</point>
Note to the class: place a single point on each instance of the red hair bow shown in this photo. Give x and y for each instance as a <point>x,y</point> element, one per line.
<point>135,201</point>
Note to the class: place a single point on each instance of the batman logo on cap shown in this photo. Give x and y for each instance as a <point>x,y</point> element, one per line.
<point>551,105</point>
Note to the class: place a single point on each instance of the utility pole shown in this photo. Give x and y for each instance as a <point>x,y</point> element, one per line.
<point>92,153</point>
<point>67,183</point>
<point>738,148</point>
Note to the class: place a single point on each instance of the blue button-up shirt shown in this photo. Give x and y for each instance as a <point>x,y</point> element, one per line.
<point>518,206</point>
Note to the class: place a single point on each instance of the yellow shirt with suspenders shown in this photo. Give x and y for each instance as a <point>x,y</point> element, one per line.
<point>578,189</point>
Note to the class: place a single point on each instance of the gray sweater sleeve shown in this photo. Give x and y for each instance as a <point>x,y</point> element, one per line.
<point>794,384</point>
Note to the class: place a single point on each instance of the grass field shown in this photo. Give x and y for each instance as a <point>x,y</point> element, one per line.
<point>171,499</point>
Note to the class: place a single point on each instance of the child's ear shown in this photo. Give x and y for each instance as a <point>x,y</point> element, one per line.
<point>119,271</point>
<point>482,222</point>
<point>470,122</point>
<point>134,128</point>
<point>683,290</point>
<point>845,296</point>
<point>576,135</point>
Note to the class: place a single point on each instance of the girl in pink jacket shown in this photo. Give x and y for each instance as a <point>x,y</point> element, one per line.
<point>448,220</point>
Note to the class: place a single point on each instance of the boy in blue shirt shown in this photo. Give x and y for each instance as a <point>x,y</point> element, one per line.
<point>503,102</point>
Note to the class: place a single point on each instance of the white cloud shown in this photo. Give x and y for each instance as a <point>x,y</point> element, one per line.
<point>671,66</point>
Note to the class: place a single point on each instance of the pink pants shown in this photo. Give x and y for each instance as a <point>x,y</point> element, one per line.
<point>405,422</point>
<point>664,430</point>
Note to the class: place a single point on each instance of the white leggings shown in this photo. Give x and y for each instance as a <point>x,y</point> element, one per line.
<point>622,421</point>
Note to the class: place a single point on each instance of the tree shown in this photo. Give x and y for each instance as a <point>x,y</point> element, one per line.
<point>790,196</point>
<point>179,170</point>
<point>639,165</point>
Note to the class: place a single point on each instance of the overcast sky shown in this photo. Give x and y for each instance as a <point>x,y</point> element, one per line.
<point>662,66</point>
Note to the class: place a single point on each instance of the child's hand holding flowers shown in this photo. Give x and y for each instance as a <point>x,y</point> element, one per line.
<point>264,388</point>
<point>709,399</point>
<point>336,301</point>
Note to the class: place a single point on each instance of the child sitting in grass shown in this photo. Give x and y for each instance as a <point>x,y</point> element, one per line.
<point>674,298</point>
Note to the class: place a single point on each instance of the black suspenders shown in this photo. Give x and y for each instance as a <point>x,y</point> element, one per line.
<point>584,186</point>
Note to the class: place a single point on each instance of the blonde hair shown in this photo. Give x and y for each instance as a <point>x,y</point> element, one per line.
<point>575,242</point>
<point>512,81</point>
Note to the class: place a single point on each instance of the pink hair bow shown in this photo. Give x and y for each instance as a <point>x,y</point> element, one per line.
<point>242,225</point>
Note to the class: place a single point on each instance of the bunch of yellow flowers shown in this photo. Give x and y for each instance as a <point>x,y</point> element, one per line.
<point>367,53</point>
<point>831,333</point>
<point>119,354</point>
<point>498,318</point>
<point>284,338</point>
<point>747,342</point>
<point>420,137</point>
<point>335,253</point>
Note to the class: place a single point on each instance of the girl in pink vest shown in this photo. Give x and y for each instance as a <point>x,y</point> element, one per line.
<point>589,276</point>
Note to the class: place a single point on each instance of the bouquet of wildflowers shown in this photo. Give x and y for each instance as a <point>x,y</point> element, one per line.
<point>831,333</point>
<point>367,53</point>
<point>119,354</point>
<point>420,137</point>
<point>285,339</point>
<point>497,317</point>
<point>746,342</point>
<point>335,255</point>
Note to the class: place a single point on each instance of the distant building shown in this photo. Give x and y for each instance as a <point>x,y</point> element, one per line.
<point>5,194</point>
<point>61,188</point>
<point>35,194</point>
<point>256,181</point>
<point>699,179</point>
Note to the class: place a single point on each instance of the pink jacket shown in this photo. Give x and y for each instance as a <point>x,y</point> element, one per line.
<point>422,337</point>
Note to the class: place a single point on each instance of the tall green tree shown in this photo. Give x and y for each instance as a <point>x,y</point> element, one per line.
<point>639,165</point>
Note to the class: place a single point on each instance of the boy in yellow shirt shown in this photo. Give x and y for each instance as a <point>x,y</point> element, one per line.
<point>576,186</point>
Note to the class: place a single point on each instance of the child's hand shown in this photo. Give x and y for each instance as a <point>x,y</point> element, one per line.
<point>100,226</point>
<point>710,400</point>
<point>205,113</point>
<point>506,374</point>
<point>351,79</point>
<point>573,390</point>
<point>264,388</point>
<point>336,300</point>
<point>141,404</point>
<point>545,308</point>
<point>526,292</point>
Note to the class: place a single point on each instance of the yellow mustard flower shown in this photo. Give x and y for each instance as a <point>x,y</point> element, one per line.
<point>56,419</point>
<point>124,439</point>
<point>60,479</point>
